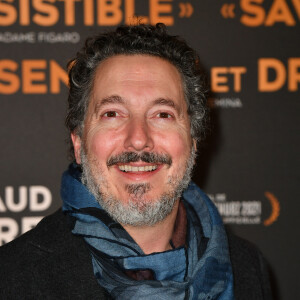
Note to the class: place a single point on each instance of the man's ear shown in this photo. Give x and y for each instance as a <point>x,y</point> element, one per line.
<point>76,140</point>
<point>195,145</point>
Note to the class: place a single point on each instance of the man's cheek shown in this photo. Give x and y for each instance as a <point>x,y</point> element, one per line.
<point>177,146</point>
<point>107,142</point>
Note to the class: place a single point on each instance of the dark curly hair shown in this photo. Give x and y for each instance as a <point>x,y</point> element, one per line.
<point>131,40</point>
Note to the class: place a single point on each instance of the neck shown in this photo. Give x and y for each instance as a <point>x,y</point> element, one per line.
<point>155,238</point>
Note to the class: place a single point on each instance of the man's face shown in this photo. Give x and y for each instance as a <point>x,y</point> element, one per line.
<point>136,144</point>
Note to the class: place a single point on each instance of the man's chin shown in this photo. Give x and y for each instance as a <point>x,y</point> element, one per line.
<point>136,210</point>
<point>137,204</point>
<point>138,190</point>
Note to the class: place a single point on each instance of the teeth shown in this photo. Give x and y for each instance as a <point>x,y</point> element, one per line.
<point>128,168</point>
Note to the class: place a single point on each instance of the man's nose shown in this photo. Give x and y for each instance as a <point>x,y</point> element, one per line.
<point>138,136</point>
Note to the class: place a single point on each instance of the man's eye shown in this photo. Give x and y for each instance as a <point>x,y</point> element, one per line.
<point>164,115</point>
<point>111,114</point>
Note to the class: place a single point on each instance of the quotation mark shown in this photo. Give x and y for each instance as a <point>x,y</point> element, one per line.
<point>227,10</point>
<point>186,10</point>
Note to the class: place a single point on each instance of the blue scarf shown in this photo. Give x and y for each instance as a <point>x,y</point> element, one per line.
<point>202,270</point>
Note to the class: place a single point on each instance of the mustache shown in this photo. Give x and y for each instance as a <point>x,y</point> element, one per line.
<point>148,157</point>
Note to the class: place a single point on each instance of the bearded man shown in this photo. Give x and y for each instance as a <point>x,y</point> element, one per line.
<point>133,225</point>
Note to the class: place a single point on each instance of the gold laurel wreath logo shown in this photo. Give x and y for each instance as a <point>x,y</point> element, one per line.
<point>275,209</point>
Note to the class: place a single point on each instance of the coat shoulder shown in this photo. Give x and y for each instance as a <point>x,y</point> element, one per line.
<point>250,271</point>
<point>48,261</point>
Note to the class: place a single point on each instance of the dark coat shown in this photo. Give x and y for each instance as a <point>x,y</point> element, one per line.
<point>49,262</point>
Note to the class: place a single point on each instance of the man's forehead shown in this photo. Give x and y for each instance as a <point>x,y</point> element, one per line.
<point>139,66</point>
<point>121,75</point>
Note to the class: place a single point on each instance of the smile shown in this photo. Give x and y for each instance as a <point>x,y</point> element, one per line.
<point>128,168</point>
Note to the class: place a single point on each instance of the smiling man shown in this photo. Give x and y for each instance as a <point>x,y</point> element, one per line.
<point>136,147</point>
<point>133,225</point>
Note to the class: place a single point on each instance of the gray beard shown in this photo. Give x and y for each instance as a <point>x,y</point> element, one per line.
<point>137,211</point>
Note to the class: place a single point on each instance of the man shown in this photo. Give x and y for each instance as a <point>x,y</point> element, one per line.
<point>133,226</point>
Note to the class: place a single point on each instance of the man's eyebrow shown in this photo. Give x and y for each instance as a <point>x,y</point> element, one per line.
<point>119,100</point>
<point>167,102</point>
<point>108,100</point>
